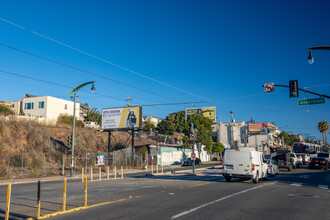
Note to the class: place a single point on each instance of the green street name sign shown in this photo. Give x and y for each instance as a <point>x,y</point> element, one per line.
<point>311,101</point>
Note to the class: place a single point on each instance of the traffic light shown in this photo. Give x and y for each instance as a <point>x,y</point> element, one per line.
<point>70,140</point>
<point>293,86</point>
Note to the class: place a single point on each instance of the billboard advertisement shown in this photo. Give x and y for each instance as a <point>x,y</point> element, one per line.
<point>99,160</point>
<point>209,112</point>
<point>125,117</point>
<point>258,127</point>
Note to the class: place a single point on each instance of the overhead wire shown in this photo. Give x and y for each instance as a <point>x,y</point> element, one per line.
<point>103,60</point>
<point>85,71</point>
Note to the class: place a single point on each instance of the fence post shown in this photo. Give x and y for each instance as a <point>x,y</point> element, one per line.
<point>82,175</point>
<point>8,201</point>
<point>107,172</point>
<point>122,172</point>
<point>64,194</point>
<point>91,173</point>
<point>115,173</point>
<point>38,199</point>
<point>100,173</point>
<point>85,191</point>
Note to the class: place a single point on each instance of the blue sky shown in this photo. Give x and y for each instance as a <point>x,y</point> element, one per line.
<point>217,50</point>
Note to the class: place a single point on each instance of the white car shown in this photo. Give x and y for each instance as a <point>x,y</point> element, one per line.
<point>272,168</point>
<point>245,163</point>
<point>300,159</point>
<point>295,160</point>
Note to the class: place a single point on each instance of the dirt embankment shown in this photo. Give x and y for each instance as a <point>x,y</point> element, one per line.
<point>28,149</point>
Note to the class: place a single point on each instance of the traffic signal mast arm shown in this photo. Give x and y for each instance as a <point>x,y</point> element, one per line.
<point>304,90</point>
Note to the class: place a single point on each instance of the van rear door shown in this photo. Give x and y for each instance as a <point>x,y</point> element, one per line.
<point>244,163</point>
<point>230,160</point>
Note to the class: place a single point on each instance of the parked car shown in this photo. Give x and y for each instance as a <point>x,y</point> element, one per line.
<point>318,162</point>
<point>305,158</point>
<point>245,163</point>
<point>189,162</point>
<point>272,167</point>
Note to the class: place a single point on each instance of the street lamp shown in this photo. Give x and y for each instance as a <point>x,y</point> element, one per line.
<point>74,121</point>
<point>310,55</point>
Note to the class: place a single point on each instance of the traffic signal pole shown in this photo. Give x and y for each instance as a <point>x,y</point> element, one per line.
<point>304,90</point>
<point>73,133</point>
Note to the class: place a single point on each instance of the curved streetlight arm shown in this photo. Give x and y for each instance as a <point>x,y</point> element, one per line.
<point>318,48</point>
<point>80,86</point>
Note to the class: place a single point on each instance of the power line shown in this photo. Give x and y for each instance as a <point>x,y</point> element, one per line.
<point>85,71</point>
<point>103,60</point>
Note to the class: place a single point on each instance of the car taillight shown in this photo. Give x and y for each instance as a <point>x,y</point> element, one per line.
<point>270,166</point>
<point>223,163</point>
<point>252,166</point>
<point>323,162</point>
<point>310,161</point>
<point>316,161</point>
<point>285,166</point>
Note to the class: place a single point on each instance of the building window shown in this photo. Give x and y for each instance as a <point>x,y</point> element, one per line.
<point>12,105</point>
<point>65,107</point>
<point>41,105</point>
<point>28,105</point>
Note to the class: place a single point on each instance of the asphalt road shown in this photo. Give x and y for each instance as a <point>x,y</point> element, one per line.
<point>301,194</point>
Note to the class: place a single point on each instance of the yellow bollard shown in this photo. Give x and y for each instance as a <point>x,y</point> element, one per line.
<point>152,169</point>
<point>85,191</point>
<point>8,201</point>
<point>38,200</point>
<point>91,173</point>
<point>115,173</point>
<point>107,172</point>
<point>100,174</point>
<point>82,174</point>
<point>122,173</point>
<point>64,194</point>
<point>162,168</point>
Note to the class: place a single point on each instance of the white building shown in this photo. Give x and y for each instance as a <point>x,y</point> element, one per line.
<point>48,107</point>
<point>230,134</point>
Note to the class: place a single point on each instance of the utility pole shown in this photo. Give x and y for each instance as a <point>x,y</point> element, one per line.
<point>193,146</point>
<point>232,129</point>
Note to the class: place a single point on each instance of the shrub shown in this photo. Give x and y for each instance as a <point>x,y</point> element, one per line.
<point>4,110</point>
<point>67,120</point>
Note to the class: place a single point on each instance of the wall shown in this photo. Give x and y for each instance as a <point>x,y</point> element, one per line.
<point>172,155</point>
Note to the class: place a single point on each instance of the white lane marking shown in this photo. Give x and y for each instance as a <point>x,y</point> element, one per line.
<point>215,201</point>
<point>296,184</point>
<point>323,186</point>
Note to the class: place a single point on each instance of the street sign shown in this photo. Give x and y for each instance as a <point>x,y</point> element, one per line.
<point>269,87</point>
<point>193,156</point>
<point>311,101</point>
<point>193,137</point>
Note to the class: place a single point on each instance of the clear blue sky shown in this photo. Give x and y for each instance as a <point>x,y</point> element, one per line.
<point>218,50</point>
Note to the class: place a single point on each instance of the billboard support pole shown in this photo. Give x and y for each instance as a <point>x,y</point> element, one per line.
<point>109,141</point>
<point>132,147</point>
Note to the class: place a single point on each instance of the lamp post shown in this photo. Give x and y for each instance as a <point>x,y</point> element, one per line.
<point>74,121</point>
<point>310,55</point>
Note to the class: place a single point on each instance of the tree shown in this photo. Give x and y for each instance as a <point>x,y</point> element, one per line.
<point>148,126</point>
<point>216,147</point>
<point>93,115</point>
<point>165,127</point>
<point>323,127</point>
<point>4,110</point>
<point>289,139</point>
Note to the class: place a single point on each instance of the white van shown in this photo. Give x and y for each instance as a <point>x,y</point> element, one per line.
<point>245,163</point>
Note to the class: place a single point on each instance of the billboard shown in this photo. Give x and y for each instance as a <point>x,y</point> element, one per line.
<point>99,160</point>
<point>258,127</point>
<point>209,112</point>
<point>125,117</point>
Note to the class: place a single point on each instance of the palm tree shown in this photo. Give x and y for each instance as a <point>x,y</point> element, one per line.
<point>323,127</point>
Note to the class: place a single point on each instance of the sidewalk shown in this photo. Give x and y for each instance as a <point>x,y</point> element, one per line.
<point>96,174</point>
